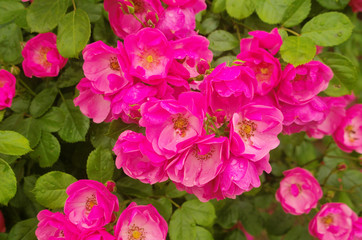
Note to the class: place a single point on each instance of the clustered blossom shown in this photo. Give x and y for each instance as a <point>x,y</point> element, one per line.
<point>90,207</point>
<point>7,88</point>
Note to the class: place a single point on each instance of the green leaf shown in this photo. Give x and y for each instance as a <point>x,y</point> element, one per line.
<point>221,40</point>
<point>296,12</point>
<point>10,48</point>
<point>345,74</point>
<point>75,125</point>
<point>181,226</point>
<point>21,104</point>
<point>100,165</point>
<point>228,215</point>
<point>92,8</point>
<point>236,235</point>
<point>305,152</point>
<point>24,230</point>
<point>71,75</point>
<point>48,150</point>
<point>98,136</point>
<point>73,33</point>
<point>7,182</point>
<point>28,128</point>
<point>271,11</point>
<point>42,102</point>
<point>133,187</point>
<point>328,29</point>
<point>203,234</point>
<point>9,10</point>
<point>218,6</point>
<point>208,25</point>
<point>52,121</point>
<point>297,50</point>
<point>50,189</point>
<point>43,15</point>
<point>202,212</point>
<point>279,222</point>
<point>250,218</point>
<point>13,143</point>
<point>240,9</point>
<point>172,192</point>
<point>333,4</point>
<point>298,233</point>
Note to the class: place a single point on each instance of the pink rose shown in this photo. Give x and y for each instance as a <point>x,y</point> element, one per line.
<point>336,221</point>
<point>92,103</point>
<point>299,85</point>
<point>90,204</point>
<point>267,68</point>
<point>348,134</point>
<point>7,88</point>
<point>41,56</point>
<point>195,5</point>
<point>96,234</point>
<point>269,41</point>
<point>254,130</point>
<point>2,223</point>
<point>137,158</point>
<point>55,226</point>
<point>299,191</point>
<point>140,222</point>
<point>201,162</point>
<point>356,5</point>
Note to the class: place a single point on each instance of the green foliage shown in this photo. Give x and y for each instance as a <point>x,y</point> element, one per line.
<point>240,9</point>
<point>10,48</point>
<point>42,102</point>
<point>221,40</point>
<point>296,12</point>
<point>47,151</point>
<point>13,143</point>
<point>271,11</point>
<point>297,50</point>
<point>333,4</point>
<point>7,183</point>
<point>100,165</point>
<point>24,230</point>
<point>9,10</point>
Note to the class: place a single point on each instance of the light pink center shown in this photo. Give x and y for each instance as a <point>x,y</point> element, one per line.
<point>295,189</point>
<point>113,64</point>
<point>180,124</point>
<point>263,71</point>
<point>91,202</point>
<point>41,56</point>
<point>327,220</point>
<point>247,129</point>
<point>198,156</point>
<point>136,233</point>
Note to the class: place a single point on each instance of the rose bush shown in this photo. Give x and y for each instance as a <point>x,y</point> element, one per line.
<point>180,119</point>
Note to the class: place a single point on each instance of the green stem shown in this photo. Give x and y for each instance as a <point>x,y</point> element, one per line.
<point>75,8</point>
<point>343,157</point>
<point>291,31</point>
<point>27,87</point>
<point>174,203</point>
<point>330,174</point>
<point>134,15</point>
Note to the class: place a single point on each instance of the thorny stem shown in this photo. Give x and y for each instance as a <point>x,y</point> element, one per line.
<point>291,31</point>
<point>75,8</point>
<point>27,87</point>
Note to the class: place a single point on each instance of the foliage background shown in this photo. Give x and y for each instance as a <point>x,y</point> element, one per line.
<point>67,146</point>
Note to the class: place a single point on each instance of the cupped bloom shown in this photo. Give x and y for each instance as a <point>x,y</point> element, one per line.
<point>105,67</point>
<point>96,234</point>
<point>348,134</point>
<point>124,23</point>
<point>7,88</point>
<point>269,41</point>
<point>2,223</point>
<point>140,222</point>
<point>228,88</point>
<point>299,85</point>
<point>55,226</point>
<point>41,56</point>
<point>90,204</point>
<point>137,158</point>
<point>299,191</point>
<point>172,126</point>
<point>92,103</point>
<point>150,55</point>
<point>201,163</point>
<point>254,130</point>
<point>336,221</point>
<point>267,69</point>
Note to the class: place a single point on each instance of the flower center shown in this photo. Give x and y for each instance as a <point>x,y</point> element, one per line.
<point>180,125</point>
<point>247,129</point>
<point>263,71</point>
<point>113,64</point>
<point>149,58</point>
<point>298,77</point>
<point>351,133</point>
<point>201,157</point>
<point>295,189</point>
<point>327,220</point>
<point>138,6</point>
<point>91,202</point>
<point>41,57</point>
<point>2,83</point>
<point>136,233</point>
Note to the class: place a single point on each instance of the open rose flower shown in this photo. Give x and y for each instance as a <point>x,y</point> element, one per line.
<point>336,221</point>
<point>195,5</point>
<point>137,158</point>
<point>348,134</point>
<point>140,222</point>
<point>7,88</point>
<point>90,204</point>
<point>55,226</point>
<point>96,234</point>
<point>41,56</point>
<point>299,191</point>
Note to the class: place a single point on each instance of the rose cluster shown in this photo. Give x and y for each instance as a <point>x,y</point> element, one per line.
<point>299,192</point>
<point>90,211</point>
<point>7,88</point>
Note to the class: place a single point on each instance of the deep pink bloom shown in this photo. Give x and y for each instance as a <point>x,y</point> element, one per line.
<point>299,191</point>
<point>96,234</point>
<point>228,88</point>
<point>106,67</point>
<point>201,163</point>
<point>7,88</point>
<point>254,130</point>
<point>92,103</point>
<point>171,126</point>
<point>41,56</point>
<point>348,134</point>
<point>269,41</point>
<point>356,5</point>
<point>195,5</point>
<point>90,204</point>
<point>124,23</point>
<point>336,221</point>
<point>267,68</point>
<point>299,85</point>
<point>2,223</point>
<point>150,55</point>
<point>140,222</point>
<point>137,158</point>
<point>177,23</point>
<point>55,226</point>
